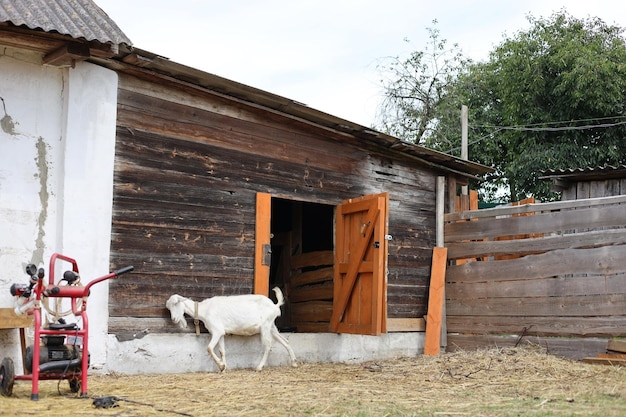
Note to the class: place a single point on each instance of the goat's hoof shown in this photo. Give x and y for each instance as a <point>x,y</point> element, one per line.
<point>294,364</point>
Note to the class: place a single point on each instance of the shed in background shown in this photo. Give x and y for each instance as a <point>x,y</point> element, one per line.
<point>590,182</point>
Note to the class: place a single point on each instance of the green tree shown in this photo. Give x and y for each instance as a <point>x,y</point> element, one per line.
<point>552,97</point>
<point>416,92</point>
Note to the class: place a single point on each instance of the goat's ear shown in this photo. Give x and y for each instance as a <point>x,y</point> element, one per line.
<point>172,301</point>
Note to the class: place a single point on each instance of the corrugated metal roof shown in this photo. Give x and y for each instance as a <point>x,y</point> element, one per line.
<point>76,18</point>
<point>587,173</point>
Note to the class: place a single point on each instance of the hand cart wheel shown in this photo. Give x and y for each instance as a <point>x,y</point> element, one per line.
<point>75,385</point>
<point>7,377</point>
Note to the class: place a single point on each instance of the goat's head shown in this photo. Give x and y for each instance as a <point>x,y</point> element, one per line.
<point>177,310</point>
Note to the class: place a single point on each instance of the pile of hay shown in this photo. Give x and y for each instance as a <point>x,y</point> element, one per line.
<point>496,382</point>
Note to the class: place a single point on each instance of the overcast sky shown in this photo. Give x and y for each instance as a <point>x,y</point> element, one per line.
<point>324,53</point>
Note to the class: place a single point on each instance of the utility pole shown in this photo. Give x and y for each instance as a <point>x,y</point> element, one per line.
<point>464,145</point>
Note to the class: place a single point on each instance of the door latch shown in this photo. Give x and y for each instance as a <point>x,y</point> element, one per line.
<point>267,254</point>
<point>387,237</point>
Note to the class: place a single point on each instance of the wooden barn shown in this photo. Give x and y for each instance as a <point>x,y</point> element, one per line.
<point>224,189</point>
<point>208,187</point>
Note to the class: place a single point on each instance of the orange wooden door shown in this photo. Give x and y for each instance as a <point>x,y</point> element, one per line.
<point>360,280</point>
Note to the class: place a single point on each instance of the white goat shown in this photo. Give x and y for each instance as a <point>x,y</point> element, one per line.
<point>243,315</point>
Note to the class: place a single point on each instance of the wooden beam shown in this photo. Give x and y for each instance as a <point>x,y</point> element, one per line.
<point>406,325</point>
<point>617,346</point>
<point>67,55</point>
<point>440,209</point>
<point>10,320</point>
<point>612,355</point>
<point>605,361</point>
<point>453,216</point>
<point>436,300</point>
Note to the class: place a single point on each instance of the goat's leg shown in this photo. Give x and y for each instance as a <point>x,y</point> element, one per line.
<point>220,347</point>
<point>266,340</point>
<point>215,339</point>
<point>279,337</point>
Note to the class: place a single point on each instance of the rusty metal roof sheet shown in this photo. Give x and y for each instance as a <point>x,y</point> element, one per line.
<point>588,173</point>
<point>76,18</point>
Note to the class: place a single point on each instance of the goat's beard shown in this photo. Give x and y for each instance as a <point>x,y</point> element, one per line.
<point>177,311</point>
<point>180,321</point>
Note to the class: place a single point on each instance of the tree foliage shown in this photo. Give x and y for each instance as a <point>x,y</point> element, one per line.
<point>416,91</point>
<point>551,97</point>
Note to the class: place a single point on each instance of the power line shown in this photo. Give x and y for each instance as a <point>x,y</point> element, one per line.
<point>558,129</point>
<point>535,128</point>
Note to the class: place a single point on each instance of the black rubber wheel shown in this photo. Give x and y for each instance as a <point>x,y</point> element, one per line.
<point>75,385</point>
<point>7,377</point>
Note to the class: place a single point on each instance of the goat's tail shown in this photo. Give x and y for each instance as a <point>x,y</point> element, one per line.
<point>280,300</point>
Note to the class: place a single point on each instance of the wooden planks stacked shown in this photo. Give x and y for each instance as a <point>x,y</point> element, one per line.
<point>311,295</point>
<point>615,354</point>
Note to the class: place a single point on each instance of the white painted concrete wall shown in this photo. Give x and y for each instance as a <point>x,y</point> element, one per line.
<point>161,353</point>
<point>57,146</point>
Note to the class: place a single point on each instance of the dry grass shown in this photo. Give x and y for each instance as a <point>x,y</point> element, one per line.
<point>498,382</point>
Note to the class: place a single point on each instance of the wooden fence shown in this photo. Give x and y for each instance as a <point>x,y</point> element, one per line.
<point>560,283</point>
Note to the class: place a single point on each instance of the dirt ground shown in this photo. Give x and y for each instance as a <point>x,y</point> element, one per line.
<point>497,382</point>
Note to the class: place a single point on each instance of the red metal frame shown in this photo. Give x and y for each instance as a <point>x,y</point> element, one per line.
<point>74,293</point>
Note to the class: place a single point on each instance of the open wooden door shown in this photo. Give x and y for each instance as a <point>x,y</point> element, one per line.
<point>360,281</point>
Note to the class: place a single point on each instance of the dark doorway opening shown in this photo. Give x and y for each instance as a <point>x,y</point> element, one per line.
<point>302,263</point>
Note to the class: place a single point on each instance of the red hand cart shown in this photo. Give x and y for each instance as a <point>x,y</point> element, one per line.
<point>62,348</point>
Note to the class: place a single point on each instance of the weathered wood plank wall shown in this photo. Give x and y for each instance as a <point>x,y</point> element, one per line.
<point>569,283</point>
<point>188,166</point>
<point>591,189</point>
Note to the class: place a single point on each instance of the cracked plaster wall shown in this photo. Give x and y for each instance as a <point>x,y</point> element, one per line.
<point>57,145</point>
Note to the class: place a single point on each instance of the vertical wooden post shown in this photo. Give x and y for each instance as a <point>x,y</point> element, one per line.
<point>441,209</point>
<point>262,237</point>
<point>464,142</point>
<point>452,185</point>
<point>436,301</point>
